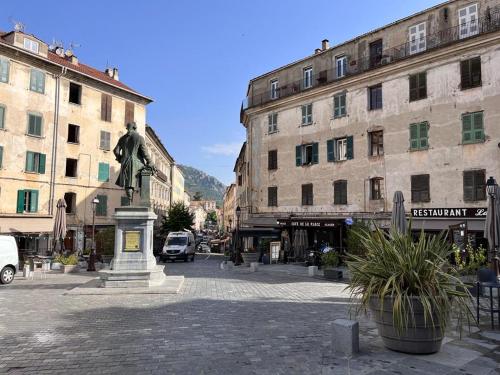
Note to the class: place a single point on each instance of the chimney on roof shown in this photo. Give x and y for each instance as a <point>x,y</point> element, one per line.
<point>317,50</point>
<point>115,74</point>
<point>325,44</point>
<point>112,73</point>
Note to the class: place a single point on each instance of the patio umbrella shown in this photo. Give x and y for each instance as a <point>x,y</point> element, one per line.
<point>398,218</point>
<point>60,223</point>
<point>492,227</point>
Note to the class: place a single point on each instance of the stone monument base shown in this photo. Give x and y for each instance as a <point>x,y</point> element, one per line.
<point>132,278</point>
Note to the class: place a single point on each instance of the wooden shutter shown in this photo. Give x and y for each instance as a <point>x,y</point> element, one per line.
<point>304,195</point>
<point>270,123</point>
<point>413,87</point>
<point>33,201</point>
<point>272,162</point>
<point>343,192</point>
<point>468,186</point>
<point>41,163</point>
<point>4,70</point>
<point>414,136</point>
<point>315,156</point>
<point>106,107</point>
<point>480,185</point>
<point>336,106</point>
<point>129,112</point>
<point>20,201</point>
<point>340,192</point>
<point>466,81</point>
<point>336,192</point>
<point>2,117</point>
<point>475,72</point>
<point>423,141</point>
<point>103,174</point>
<point>420,188</point>
<point>467,134</point>
<point>422,85</point>
<point>102,207</point>
<point>304,114</point>
<point>329,151</point>
<point>1,156</point>
<point>298,155</point>
<point>350,148</point>
<point>477,126</point>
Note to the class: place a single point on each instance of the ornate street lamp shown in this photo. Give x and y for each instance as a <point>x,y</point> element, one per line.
<point>92,256</point>
<point>491,188</point>
<point>237,242</point>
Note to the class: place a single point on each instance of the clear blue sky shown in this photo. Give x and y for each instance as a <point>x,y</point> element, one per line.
<point>195,58</point>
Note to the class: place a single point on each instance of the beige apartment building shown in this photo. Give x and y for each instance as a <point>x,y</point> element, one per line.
<point>59,121</point>
<point>411,106</point>
<point>178,186</point>
<point>228,209</point>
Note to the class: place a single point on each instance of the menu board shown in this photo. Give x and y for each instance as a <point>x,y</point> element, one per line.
<point>132,240</point>
<point>275,247</point>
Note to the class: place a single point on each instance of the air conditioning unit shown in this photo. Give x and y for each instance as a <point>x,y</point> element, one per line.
<point>386,60</point>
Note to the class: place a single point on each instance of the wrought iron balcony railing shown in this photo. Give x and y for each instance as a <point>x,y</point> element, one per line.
<point>363,64</point>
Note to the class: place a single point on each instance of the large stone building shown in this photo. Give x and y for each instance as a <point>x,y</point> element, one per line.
<point>228,209</point>
<point>178,186</point>
<point>411,106</point>
<point>59,120</point>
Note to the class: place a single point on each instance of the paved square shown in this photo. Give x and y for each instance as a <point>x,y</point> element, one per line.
<point>221,322</point>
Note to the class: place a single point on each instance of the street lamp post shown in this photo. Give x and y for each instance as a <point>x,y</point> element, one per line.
<point>491,188</point>
<point>237,242</point>
<point>92,256</point>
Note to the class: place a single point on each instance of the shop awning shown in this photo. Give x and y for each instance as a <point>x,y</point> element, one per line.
<point>23,224</point>
<point>259,232</point>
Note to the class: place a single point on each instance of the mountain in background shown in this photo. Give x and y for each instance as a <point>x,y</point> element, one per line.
<point>209,187</point>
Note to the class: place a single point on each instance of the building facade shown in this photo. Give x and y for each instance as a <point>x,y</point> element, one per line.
<point>59,120</point>
<point>200,216</point>
<point>177,186</point>
<point>228,209</point>
<point>409,107</point>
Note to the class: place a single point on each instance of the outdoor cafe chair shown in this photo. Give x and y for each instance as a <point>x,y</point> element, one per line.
<point>487,280</point>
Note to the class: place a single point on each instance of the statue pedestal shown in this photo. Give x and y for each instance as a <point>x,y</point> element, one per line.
<point>133,264</point>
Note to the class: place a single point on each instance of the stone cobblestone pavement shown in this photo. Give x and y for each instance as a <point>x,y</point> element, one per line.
<point>222,322</point>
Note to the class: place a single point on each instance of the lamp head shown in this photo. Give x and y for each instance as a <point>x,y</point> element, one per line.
<point>238,212</point>
<point>95,201</point>
<point>491,185</point>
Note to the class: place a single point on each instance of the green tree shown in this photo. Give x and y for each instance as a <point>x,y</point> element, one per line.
<point>212,217</point>
<point>105,241</point>
<point>197,196</point>
<point>178,218</point>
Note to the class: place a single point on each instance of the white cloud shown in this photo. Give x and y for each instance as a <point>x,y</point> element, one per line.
<point>226,149</point>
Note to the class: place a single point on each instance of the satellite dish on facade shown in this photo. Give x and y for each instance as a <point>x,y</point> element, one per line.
<point>60,51</point>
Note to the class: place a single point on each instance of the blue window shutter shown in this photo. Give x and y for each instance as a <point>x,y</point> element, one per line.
<point>34,201</point>
<point>41,164</point>
<point>329,151</point>
<point>20,201</point>
<point>350,148</point>
<point>315,153</point>
<point>298,156</point>
<point>103,172</point>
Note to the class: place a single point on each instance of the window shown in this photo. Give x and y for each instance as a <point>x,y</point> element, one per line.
<point>106,106</point>
<point>470,73</point>
<point>420,191</point>
<point>416,35</point>
<point>272,160</point>
<point>4,70</point>
<point>103,174</point>
<point>419,136</point>
<point>272,120</point>
<point>375,97</point>
<point>70,199</point>
<point>31,45</point>
<point>1,157</point>
<point>37,81</point>
<point>71,167</point>
<point>340,192</point>
<point>341,66</point>
<point>375,53</point>
<point>306,154</point>
<point>2,117</point>
<point>307,116</point>
<point>418,86</point>
<point>101,208</point>
<point>308,77</point>
<point>376,143</point>
<point>35,125</point>
<point>340,149</point>
<point>339,105</point>
<point>472,128</point>
<point>474,185</point>
<point>376,188</point>
<point>240,180</point>
<point>272,196</point>
<point>75,93</point>
<point>27,201</point>
<point>105,141</point>
<point>35,162</point>
<point>73,133</point>
<point>467,19</point>
<point>307,195</point>
<point>129,112</point>
<point>274,89</point>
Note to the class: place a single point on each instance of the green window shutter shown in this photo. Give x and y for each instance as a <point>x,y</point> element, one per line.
<point>329,151</point>
<point>309,113</point>
<point>467,128</point>
<point>269,124</point>
<point>103,172</point>
<point>343,104</point>
<point>336,105</point>
<point>336,193</point>
<point>41,164</point>
<point>34,201</point>
<point>298,156</point>
<point>30,162</point>
<point>304,114</point>
<point>423,136</point>
<point>414,136</point>
<point>20,201</point>
<point>37,81</point>
<point>315,157</point>
<point>104,205</point>
<point>477,126</point>
<point>1,156</point>
<point>4,70</point>
<point>2,117</point>
<point>468,186</point>
<point>350,148</point>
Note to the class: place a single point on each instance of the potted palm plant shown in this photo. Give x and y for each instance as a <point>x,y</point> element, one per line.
<point>409,287</point>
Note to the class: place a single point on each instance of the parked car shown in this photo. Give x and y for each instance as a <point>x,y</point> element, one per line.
<point>179,245</point>
<point>203,247</point>
<point>9,259</point>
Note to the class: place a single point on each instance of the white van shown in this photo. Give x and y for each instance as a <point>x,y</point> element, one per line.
<point>179,245</point>
<point>9,259</point>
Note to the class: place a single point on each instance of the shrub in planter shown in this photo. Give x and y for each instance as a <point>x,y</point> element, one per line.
<point>329,260</point>
<point>409,286</point>
<point>69,262</point>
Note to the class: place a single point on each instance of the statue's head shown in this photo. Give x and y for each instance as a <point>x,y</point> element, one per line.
<point>131,126</point>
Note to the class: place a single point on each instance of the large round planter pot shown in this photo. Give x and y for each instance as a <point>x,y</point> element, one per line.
<point>249,258</point>
<point>332,274</point>
<point>418,339</point>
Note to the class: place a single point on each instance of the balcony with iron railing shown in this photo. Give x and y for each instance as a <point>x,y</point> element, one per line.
<point>364,64</point>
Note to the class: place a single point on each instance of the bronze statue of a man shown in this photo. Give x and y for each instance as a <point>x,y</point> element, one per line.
<point>132,154</point>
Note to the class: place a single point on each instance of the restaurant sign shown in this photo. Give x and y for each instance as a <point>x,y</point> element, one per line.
<point>470,213</point>
<point>308,223</point>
